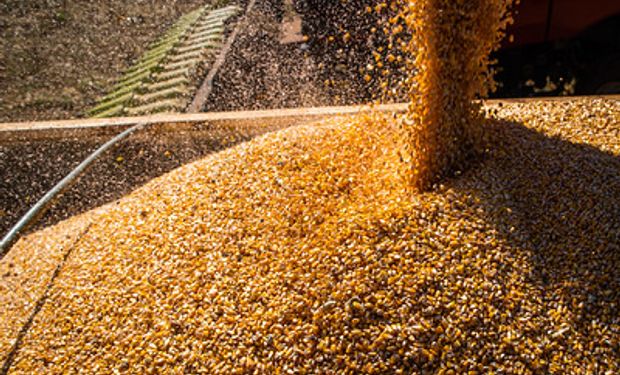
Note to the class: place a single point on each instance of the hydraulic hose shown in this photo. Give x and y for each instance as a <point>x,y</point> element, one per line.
<point>51,196</point>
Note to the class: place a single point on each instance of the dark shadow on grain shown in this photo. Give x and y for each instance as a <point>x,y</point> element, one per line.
<point>528,184</point>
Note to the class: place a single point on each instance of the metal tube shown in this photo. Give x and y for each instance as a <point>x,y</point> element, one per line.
<point>50,197</point>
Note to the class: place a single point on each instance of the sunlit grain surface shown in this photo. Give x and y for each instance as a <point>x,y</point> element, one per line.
<point>301,251</point>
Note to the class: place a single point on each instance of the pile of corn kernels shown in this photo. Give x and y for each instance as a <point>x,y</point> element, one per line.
<point>303,251</point>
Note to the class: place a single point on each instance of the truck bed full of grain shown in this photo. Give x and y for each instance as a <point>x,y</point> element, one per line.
<point>302,252</point>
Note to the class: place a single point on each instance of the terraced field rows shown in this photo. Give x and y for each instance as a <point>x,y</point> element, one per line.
<point>166,76</point>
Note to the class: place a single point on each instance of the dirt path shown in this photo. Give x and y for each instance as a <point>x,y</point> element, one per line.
<point>266,69</point>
